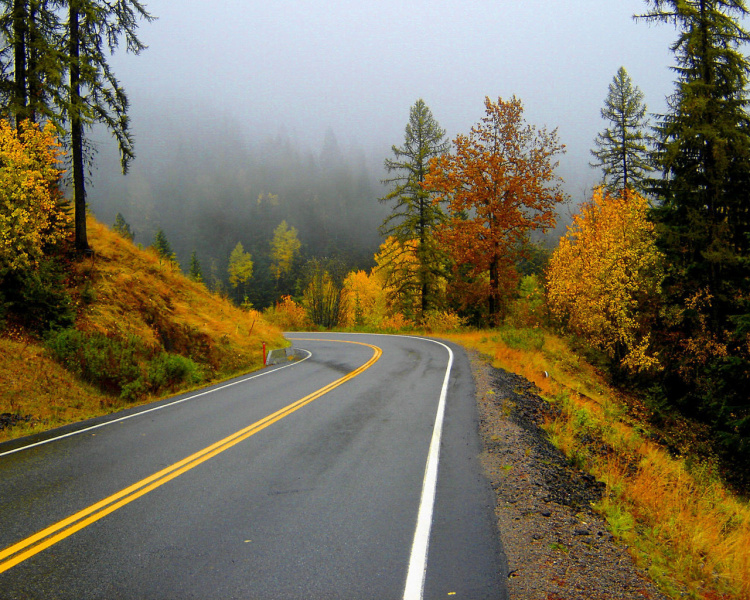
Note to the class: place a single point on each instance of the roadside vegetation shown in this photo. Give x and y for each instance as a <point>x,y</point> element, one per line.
<point>136,329</point>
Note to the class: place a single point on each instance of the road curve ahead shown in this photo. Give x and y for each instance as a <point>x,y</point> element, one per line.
<point>350,474</point>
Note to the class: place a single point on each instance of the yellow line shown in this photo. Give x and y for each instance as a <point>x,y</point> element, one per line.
<point>67,527</point>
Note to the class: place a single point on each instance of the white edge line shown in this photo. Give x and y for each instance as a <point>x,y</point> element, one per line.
<point>414,588</point>
<point>160,407</point>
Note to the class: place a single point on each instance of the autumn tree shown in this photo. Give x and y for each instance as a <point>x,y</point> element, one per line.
<point>415,216</point>
<point>323,292</point>
<point>240,269</point>
<point>33,218</point>
<point>604,279</point>
<point>397,266</point>
<point>622,149</point>
<point>34,224</point>
<point>364,300</point>
<point>285,248</point>
<point>703,214</point>
<point>500,185</point>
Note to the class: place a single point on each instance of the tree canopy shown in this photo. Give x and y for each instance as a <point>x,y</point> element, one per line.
<point>415,217</point>
<point>500,184</point>
<point>622,150</point>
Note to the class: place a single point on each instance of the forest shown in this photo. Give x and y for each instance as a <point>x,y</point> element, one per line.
<point>653,275</point>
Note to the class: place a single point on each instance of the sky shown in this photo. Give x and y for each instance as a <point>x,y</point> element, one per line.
<point>305,67</point>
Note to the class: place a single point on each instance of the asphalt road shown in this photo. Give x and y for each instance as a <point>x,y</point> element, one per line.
<point>302,481</point>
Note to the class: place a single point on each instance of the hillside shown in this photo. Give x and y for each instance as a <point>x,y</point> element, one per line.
<point>154,330</point>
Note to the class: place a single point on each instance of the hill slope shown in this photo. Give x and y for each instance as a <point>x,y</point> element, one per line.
<point>142,330</point>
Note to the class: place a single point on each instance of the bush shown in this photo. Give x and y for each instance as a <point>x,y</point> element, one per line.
<point>37,298</point>
<point>121,366</point>
<point>109,363</point>
<point>287,315</point>
<point>435,320</point>
<point>167,371</point>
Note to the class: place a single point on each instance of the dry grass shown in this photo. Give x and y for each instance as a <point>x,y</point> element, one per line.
<point>32,384</point>
<point>138,293</point>
<point>680,522</point>
<point>122,291</point>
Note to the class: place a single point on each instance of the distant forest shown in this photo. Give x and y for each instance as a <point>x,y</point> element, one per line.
<point>208,195</point>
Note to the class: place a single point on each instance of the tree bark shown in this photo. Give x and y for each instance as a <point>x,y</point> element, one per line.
<point>19,60</point>
<point>76,131</point>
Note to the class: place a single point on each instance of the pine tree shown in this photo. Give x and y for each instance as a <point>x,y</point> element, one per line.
<point>195,273</point>
<point>42,50</point>
<point>122,227</point>
<point>94,95</point>
<point>162,247</point>
<point>414,215</point>
<point>31,74</point>
<point>703,216</point>
<point>622,148</point>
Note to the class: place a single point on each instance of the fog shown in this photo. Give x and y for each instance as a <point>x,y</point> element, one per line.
<point>232,97</point>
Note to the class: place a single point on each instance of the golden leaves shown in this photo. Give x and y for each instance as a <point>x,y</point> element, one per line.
<point>32,214</point>
<point>604,280</point>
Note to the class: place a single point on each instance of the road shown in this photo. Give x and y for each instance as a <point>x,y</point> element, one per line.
<point>307,480</point>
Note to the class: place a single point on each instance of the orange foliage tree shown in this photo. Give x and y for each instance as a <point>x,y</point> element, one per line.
<point>604,279</point>
<point>500,185</point>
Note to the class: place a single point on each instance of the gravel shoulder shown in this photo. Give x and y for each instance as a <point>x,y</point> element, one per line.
<point>557,547</point>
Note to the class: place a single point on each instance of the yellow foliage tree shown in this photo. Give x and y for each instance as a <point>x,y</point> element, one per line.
<point>364,300</point>
<point>604,280</point>
<point>32,214</point>
<point>398,267</point>
<point>240,268</point>
<point>285,246</point>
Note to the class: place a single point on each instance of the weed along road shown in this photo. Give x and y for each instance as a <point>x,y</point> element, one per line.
<point>352,473</point>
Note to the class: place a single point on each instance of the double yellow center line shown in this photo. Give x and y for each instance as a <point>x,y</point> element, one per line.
<point>53,534</point>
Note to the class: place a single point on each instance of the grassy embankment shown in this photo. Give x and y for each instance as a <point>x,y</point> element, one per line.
<point>679,521</point>
<point>163,322</point>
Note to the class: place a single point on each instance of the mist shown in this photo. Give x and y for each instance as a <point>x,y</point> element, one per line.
<point>236,100</point>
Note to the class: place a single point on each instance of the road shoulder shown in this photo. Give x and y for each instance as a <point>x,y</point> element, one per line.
<point>557,547</point>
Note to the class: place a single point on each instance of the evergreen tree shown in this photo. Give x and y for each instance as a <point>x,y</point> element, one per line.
<point>94,95</point>
<point>703,216</point>
<point>622,148</point>
<point>122,227</point>
<point>195,273</point>
<point>414,216</point>
<point>44,50</point>
<point>31,70</point>
<point>162,247</point>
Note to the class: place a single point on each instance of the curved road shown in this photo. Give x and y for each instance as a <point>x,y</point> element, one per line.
<point>308,480</point>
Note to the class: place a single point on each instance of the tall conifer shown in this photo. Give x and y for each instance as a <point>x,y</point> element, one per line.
<point>622,148</point>
<point>94,95</point>
<point>414,216</point>
<point>703,215</point>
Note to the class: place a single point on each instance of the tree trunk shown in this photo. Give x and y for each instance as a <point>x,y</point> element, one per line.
<point>76,131</point>
<point>19,59</point>
<point>493,301</point>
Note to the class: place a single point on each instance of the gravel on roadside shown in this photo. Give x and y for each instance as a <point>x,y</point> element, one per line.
<point>557,546</point>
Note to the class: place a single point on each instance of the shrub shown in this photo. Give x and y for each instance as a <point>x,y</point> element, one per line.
<point>435,320</point>
<point>167,371</point>
<point>109,363</point>
<point>288,315</point>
